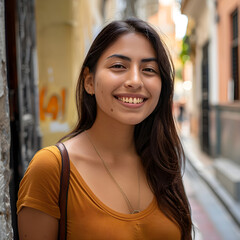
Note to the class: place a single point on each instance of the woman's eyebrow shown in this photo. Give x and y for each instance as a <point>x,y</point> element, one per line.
<point>129,59</point>
<point>149,60</point>
<point>120,56</point>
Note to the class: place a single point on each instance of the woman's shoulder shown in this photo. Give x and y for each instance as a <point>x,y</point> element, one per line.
<point>39,187</point>
<point>46,160</point>
<point>50,151</point>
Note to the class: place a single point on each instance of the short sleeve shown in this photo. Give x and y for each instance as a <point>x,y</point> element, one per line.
<point>39,188</point>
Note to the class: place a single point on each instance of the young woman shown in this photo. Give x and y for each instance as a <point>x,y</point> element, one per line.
<point>125,155</point>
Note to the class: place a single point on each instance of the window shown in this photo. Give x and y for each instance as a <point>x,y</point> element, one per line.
<point>235,55</point>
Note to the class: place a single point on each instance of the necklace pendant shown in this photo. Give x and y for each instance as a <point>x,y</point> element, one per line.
<point>135,211</point>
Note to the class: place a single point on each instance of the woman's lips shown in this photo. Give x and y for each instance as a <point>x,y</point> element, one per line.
<point>131,101</point>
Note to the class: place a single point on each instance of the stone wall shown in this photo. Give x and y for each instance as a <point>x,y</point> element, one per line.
<point>5,211</point>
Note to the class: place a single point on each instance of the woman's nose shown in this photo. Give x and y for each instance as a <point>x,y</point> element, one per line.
<point>134,80</point>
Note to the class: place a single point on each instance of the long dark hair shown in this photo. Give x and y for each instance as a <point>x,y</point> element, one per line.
<point>156,139</point>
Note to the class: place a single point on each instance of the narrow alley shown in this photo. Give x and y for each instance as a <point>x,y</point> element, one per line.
<point>212,221</point>
<point>215,213</point>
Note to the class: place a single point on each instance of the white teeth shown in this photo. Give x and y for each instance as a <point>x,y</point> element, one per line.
<point>131,100</point>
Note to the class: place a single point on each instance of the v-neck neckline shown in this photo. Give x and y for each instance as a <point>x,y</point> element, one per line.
<point>112,212</point>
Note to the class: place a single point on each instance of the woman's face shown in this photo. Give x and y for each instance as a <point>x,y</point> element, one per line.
<point>127,81</point>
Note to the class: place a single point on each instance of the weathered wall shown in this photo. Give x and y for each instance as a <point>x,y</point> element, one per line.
<point>5,212</point>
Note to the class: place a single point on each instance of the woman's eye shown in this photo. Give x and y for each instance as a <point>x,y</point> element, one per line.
<point>151,70</point>
<point>118,66</point>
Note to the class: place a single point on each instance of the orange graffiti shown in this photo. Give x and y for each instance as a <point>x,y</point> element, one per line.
<point>41,101</point>
<point>50,106</point>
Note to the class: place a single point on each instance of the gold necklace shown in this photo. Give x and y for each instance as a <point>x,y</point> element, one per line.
<point>130,207</point>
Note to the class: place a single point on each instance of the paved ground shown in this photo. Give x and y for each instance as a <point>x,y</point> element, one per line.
<point>216,214</point>
<point>211,219</point>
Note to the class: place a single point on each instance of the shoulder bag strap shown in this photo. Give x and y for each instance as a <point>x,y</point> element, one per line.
<point>63,194</point>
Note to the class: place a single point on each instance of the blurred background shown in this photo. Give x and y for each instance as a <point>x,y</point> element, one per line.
<point>42,46</point>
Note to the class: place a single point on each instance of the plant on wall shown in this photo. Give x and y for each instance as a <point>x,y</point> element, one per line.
<point>185,52</point>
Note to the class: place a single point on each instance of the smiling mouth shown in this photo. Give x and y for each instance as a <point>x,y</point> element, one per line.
<point>132,100</point>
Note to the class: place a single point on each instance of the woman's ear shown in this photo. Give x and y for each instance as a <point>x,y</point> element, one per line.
<point>88,81</point>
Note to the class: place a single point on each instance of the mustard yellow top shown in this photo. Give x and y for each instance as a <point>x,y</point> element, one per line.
<point>88,217</point>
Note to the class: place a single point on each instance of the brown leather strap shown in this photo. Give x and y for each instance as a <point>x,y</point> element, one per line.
<point>63,194</point>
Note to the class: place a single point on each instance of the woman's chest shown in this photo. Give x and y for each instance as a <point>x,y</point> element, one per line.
<point>124,190</point>
<point>89,218</point>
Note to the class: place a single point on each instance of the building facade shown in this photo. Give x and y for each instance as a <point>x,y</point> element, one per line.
<point>229,50</point>
<point>202,31</point>
<point>226,113</point>
<point>214,41</point>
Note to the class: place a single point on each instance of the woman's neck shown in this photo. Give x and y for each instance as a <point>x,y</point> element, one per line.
<point>112,137</point>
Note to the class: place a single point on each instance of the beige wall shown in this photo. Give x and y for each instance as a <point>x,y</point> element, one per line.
<point>64,32</point>
<point>225,9</point>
